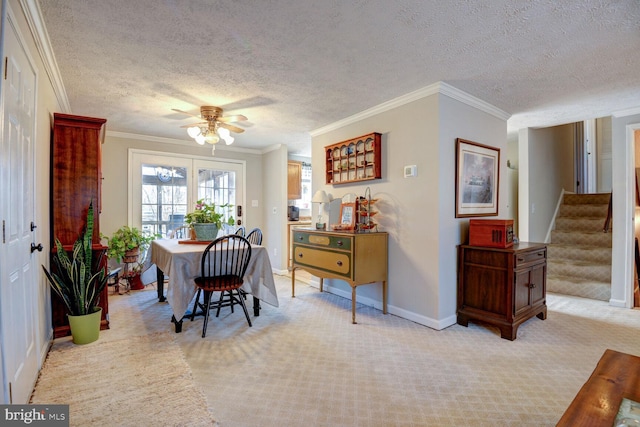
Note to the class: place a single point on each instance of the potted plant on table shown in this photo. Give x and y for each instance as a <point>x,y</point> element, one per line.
<point>78,280</point>
<point>207,219</point>
<point>126,245</point>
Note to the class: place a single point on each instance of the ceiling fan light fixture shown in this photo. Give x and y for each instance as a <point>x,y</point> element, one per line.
<point>226,135</point>
<point>194,131</point>
<point>214,126</point>
<point>212,138</point>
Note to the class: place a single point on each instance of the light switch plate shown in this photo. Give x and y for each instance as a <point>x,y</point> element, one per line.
<point>410,171</point>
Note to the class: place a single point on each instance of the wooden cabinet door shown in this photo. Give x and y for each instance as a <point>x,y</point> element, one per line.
<point>521,292</point>
<point>538,282</point>
<point>294,180</point>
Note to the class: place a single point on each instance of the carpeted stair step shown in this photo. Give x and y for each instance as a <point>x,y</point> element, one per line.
<point>594,238</point>
<point>583,210</point>
<point>595,254</point>
<point>579,223</point>
<point>579,269</point>
<point>582,199</point>
<point>585,288</point>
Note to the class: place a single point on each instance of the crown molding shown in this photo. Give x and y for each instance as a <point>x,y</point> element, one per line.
<point>628,112</point>
<point>436,88</point>
<point>183,142</point>
<point>465,98</point>
<point>38,30</point>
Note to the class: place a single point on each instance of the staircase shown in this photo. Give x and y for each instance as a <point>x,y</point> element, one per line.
<point>579,253</point>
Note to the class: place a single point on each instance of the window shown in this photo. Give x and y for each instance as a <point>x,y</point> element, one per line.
<point>163,189</point>
<point>305,201</point>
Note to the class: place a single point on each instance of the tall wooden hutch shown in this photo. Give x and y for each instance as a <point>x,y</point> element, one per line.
<point>76,180</point>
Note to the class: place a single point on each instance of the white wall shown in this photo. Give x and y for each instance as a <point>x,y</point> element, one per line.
<point>512,180</point>
<point>623,197</point>
<point>546,167</point>
<point>419,212</point>
<point>604,146</point>
<point>274,207</point>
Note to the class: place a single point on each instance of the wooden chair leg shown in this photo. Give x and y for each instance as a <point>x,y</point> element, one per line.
<point>207,300</point>
<point>220,303</point>
<point>244,307</point>
<point>195,305</point>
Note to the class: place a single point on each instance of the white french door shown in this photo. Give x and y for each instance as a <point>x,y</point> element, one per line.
<point>19,314</point>
<point>164,188</point>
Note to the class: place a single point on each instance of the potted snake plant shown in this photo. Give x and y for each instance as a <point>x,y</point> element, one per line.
<point>79,280</point>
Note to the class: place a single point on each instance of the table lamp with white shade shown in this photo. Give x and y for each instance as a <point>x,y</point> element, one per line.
<point>320,197</point>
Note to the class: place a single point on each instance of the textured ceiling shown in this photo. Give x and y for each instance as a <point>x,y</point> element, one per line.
<point>292,66</point>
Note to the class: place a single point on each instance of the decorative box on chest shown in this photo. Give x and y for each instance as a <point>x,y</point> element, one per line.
<point>493,233</point>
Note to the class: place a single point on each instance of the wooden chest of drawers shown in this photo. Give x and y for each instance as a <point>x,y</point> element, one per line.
<point>502,287</point>
<point>357,258</point>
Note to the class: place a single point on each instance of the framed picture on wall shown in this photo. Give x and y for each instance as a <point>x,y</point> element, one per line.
<point>477,179</point>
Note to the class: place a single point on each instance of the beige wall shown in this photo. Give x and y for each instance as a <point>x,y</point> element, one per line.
<point>418,212</point>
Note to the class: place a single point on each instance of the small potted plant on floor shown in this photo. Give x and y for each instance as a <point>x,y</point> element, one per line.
<point>78,280</point>
<point>207,219</point>
<point>126,245</point>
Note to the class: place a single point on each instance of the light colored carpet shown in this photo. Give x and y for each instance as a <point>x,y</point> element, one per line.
<point>137,381</point>
<point>305,364</point>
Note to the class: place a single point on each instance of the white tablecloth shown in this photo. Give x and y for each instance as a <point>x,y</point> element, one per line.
<point>181,262</point>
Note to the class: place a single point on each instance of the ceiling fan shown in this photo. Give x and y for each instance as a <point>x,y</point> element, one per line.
<point>214,125</point>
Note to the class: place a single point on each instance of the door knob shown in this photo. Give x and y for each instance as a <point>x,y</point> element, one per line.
<point>36,248</point>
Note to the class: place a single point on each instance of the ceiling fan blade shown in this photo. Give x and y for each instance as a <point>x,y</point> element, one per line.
<point>184,112</point>
<point>232,128</point>
<point>232,118</point>
<point>194,124</point>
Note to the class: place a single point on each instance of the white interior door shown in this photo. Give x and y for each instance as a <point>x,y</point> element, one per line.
<point>18,274</point>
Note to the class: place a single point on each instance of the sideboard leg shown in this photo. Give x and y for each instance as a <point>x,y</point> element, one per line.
<point>353,305</point>
<point>293,282</point>
<point>384,297</point>
<point>321,283</point>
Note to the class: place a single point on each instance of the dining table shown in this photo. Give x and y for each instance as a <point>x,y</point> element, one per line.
<point>180,262</point>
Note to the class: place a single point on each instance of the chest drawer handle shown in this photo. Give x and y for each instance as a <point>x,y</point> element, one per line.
<point>520,259</point>
<point>540,253</point>
<point>300,255</point>
<point>532,285</point>
<point>339,263</point>
<point>339,243</point>
<point>300,238</point>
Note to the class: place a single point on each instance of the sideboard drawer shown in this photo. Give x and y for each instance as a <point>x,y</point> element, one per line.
<point>529,257</point>
<point>330,261</point>
<point>323,240</point>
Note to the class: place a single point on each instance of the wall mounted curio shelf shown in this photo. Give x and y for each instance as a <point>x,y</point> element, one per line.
<point>354,160</point>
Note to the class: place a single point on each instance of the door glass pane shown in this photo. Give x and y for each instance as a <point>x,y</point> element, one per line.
<point>164,198</point>
<point>218,186</point>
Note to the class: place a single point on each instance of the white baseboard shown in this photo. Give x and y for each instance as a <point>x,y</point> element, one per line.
<point>405,314</point>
